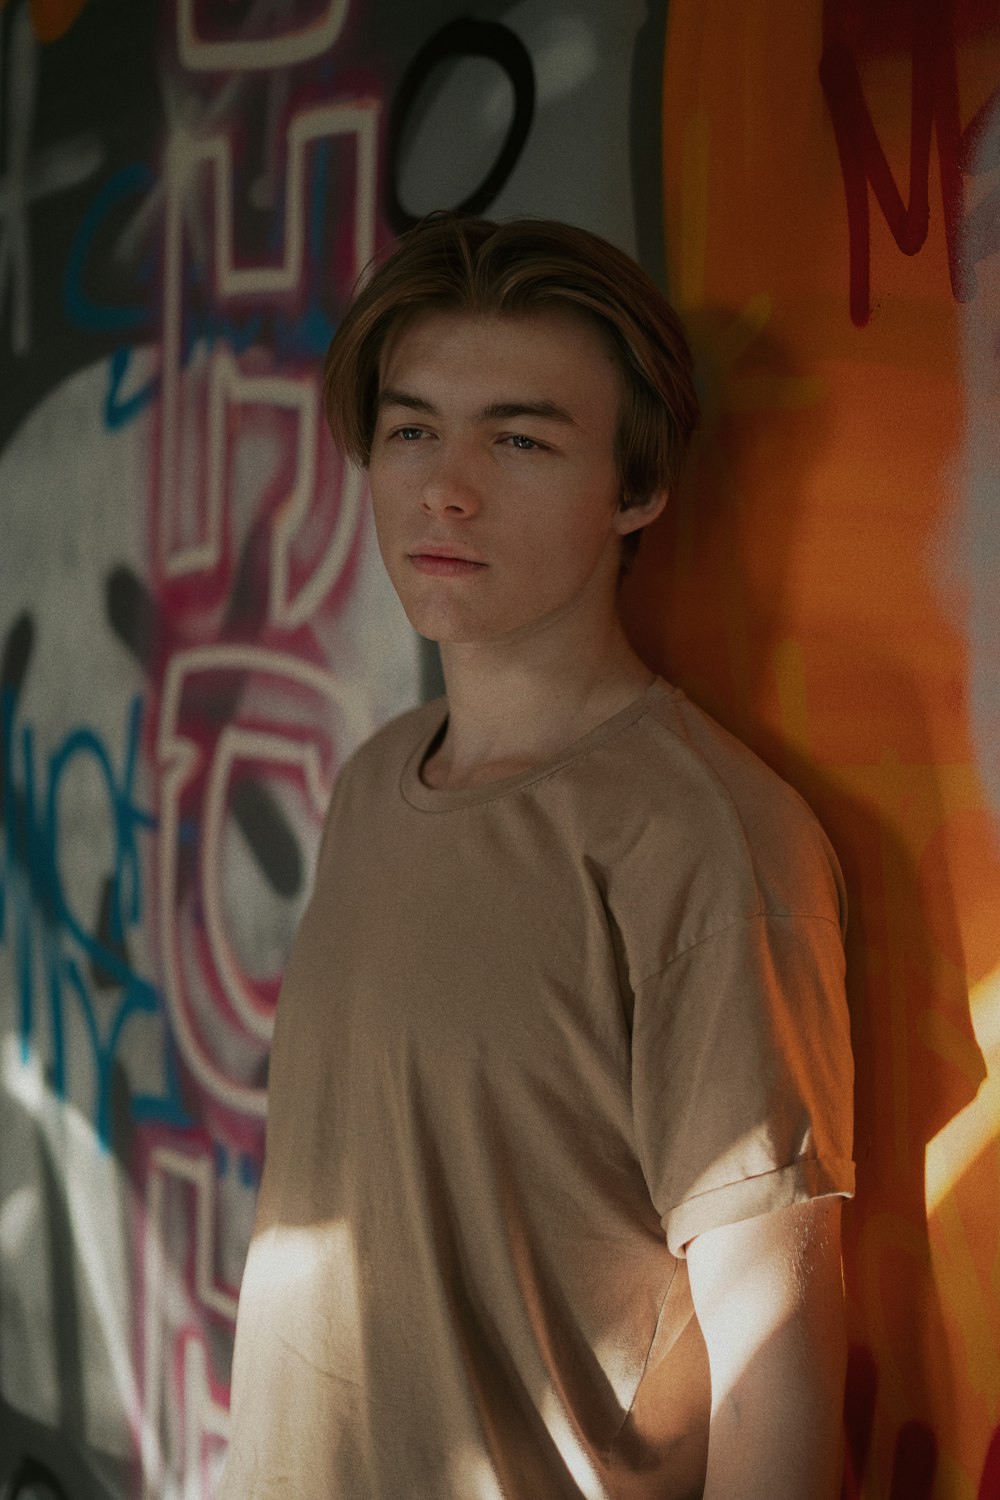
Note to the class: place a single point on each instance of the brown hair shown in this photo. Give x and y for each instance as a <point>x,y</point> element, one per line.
<point>471,265</point>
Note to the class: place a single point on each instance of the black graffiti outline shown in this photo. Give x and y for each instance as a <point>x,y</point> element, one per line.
<point>29,1473</point>
<point>464,38</point>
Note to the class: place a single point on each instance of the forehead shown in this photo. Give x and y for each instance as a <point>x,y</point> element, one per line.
<point>553,353</point>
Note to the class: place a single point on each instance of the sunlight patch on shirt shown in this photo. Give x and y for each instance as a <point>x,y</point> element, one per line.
<point>574,1455</point>
<point>744,1159</point>
<point>622,1368</point>
<point>472,1475</point>
<point>287,1259</point>
<point>302,1282</point>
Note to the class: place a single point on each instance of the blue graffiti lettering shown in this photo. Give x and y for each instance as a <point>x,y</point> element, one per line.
<point>37,918</point>
<point>306,336</point>
<point>119,410</point>
<point>303,334</point>
<point>102,317</point>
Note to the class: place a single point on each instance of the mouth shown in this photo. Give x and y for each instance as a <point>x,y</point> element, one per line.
<point>444,560</point>
<point>445,551</point>
<point>445,565</point>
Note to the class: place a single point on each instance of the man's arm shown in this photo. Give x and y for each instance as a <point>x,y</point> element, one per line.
<point>769,1297</point>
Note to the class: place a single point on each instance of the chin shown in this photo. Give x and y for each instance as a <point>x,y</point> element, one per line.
<point>450,623</point>
<point>439,619</point>
<point>454,636</point>
<point>438,625</point>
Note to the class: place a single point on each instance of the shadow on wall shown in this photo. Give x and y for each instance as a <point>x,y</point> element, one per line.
<point>711,604</point>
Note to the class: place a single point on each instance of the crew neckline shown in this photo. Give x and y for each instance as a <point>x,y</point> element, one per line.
<point>444,799</point>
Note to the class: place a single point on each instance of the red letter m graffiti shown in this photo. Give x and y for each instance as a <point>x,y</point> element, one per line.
<point>934,109</point>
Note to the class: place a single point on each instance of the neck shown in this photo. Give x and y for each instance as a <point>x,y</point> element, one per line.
<point>511,706</point>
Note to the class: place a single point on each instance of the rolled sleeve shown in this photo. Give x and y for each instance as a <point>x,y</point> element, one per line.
<point>742,1075</point>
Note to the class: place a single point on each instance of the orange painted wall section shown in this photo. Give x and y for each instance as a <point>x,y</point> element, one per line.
<point>826,584</point>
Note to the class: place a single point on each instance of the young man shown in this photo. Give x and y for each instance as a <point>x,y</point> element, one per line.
<point>560,1093</point>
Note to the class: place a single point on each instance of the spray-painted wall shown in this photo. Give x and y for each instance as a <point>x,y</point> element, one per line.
<point>195,630</point>
<point>829,584</point>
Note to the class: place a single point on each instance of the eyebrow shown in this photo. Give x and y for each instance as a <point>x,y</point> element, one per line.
<point>391,397</point>
<point>496,411</point>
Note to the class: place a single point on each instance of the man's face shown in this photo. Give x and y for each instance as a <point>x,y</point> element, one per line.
<point>494,440</point>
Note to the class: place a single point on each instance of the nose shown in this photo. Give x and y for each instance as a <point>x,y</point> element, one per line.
<point>450,487</point>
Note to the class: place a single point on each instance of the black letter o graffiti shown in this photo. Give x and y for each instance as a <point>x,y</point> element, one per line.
<point>465,38</point>
<point>31,1474</point>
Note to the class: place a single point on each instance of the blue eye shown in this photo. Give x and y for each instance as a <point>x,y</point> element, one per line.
<point>410,434</point>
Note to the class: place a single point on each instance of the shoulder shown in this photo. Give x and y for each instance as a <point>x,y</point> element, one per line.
<point>730,790</point>
<point>708,827</point>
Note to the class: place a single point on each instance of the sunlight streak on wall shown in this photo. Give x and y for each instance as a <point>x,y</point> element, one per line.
<point>954,1149</point>
<point>90,1171</point>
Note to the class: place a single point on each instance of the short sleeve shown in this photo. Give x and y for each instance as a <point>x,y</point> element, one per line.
<point>742,1074</point>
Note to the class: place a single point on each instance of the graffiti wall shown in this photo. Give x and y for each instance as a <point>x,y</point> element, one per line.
<point>827,584</point>
<point>195,630</point>
<point>194,626</point>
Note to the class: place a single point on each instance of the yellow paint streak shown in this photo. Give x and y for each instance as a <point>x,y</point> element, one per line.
<point>953,1481</point>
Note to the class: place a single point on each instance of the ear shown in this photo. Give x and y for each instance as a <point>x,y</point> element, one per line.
<point>634,516</point>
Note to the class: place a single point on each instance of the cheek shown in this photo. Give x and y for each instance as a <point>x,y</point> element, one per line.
<point>551,567</point>
<point>578,529</point>
<point>386,529</point>
<point>382,492</point>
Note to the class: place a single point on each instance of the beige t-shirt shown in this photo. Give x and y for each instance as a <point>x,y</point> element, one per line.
<point>533,1037</point>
